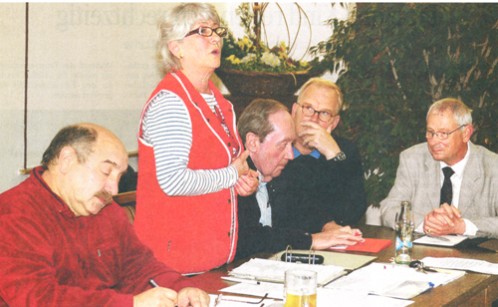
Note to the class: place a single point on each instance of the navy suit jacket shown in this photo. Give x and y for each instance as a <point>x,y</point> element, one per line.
<point>311,192</point>
<point>256,238</point>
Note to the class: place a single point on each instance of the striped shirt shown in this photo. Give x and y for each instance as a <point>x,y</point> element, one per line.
<point>168,129</point>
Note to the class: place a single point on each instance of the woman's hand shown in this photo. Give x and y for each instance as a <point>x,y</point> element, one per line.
<point>240,163</point>
<point>247,184</point>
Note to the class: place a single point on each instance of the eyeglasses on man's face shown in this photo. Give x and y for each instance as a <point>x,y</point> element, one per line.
<point>441,135</point>
<point>208,31</point>
<point>308,111</point>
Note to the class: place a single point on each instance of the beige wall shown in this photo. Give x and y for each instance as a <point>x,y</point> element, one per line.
<point>11,91</point>
<point>87,62</point>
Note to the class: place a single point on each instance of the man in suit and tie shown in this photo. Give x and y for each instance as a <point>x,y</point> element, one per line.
<point>451,183</point>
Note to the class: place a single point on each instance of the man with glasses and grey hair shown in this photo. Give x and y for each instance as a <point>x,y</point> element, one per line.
<point>451,183</point>
<point>323,187</point>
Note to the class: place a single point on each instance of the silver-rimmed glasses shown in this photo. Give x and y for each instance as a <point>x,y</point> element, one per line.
<point>441,135</point>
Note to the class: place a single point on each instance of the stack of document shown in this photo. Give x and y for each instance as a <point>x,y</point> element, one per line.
<point>264,278</point>
<point>274,270</point>
<point>392,280</point>
<point>473,265</point>
<point>344,298</point>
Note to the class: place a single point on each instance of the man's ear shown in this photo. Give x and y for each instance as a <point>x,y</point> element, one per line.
<point>333,124</point>
<point>294,109</point>
<point>252,142</point>
<point>467,132</point>
<point>67,157</point>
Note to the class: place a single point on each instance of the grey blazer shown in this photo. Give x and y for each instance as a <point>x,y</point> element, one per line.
<point>418,180</point>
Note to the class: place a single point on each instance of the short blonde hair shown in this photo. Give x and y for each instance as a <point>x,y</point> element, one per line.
<point>326,84</point>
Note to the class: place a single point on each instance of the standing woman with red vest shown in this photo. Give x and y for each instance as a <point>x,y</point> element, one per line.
<point>191,160</point>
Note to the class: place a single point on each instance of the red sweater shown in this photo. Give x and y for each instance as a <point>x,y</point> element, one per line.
<point>49,257</point>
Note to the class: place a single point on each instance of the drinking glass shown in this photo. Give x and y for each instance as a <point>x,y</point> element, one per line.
<point>300,288</point>
<point>404,230</point>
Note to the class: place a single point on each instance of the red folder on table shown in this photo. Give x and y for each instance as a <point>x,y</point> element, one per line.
<point>370,245</point>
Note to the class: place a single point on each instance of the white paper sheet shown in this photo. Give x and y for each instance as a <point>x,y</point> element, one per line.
<point>389,279</point>
<point>448,240</point>
<point>325,297</point>
<point>274,290</point>
<point>236,301</point>
<point>474,265</point>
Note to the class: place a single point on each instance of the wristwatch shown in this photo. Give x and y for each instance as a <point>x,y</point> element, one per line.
<point>341,156</point>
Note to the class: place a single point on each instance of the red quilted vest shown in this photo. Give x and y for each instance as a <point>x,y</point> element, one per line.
<point>190,233</point>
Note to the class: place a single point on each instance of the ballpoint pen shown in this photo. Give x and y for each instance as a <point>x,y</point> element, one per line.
<point>241,280</point>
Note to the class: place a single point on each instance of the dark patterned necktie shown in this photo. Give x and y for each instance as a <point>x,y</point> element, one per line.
<point>446,189</point>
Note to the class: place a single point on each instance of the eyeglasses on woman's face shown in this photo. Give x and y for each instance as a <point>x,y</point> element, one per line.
<point>208,31</point>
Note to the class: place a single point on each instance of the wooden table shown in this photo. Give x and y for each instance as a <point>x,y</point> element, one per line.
<point>472,289</point>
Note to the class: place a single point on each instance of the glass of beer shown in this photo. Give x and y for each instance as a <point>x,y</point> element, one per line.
<point>300,288</point>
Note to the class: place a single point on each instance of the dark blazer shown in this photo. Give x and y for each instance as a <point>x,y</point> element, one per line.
<point>256,238</point>
<point>311,192</point>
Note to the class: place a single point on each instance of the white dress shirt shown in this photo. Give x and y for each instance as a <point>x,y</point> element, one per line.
<point>456,184</point>
<point>263,202</point>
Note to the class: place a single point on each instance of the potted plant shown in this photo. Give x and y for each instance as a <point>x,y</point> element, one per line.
<point>401,57</point>
<point>250,68</point>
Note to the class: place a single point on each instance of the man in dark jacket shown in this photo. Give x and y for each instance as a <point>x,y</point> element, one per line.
<point>267,130</point>
<point>323,187</point>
